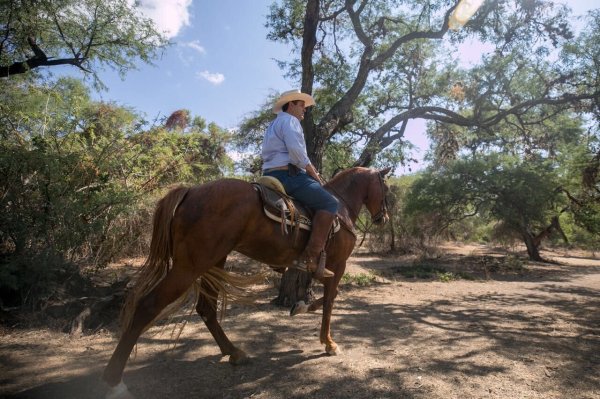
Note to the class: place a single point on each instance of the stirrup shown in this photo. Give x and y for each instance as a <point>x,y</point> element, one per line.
<point>320,272</point>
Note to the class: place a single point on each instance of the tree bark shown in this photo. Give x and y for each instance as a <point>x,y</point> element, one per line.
<point>39,59</point>
<point>554,225</point>
<point>309,40</point>
<point>392,234</point>
<point>295,285</point>
<point>20,67</point>
<point>532,249</point>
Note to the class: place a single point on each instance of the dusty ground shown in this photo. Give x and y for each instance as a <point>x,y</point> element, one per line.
<point>509,333</point>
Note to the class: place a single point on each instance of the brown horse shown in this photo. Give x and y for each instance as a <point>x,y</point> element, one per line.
<point>196,228</point>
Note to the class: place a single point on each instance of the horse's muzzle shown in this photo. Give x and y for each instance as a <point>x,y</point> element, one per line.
<point>381,219</point>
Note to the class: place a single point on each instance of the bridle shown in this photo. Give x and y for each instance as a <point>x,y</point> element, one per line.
<point>383,209</point>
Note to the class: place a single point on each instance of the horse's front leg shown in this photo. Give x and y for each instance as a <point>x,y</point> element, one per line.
<point>330,292</point>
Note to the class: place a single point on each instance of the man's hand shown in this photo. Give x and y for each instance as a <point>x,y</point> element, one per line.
<point>312,172</point>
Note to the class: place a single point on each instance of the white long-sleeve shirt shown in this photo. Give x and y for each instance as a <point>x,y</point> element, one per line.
<point>284,143</point>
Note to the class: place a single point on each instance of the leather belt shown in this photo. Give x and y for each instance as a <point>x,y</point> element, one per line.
<point>277,168</point>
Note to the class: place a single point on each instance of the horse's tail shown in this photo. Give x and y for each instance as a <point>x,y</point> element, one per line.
<point>158,263</point>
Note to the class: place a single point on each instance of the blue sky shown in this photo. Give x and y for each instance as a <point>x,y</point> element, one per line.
<point>221,65</point>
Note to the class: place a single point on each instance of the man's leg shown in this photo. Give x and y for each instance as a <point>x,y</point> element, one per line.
<point>314,196</point>
<point>321,226</point>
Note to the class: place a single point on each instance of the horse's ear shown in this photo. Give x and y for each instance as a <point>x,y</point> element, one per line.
<point>385,171</point>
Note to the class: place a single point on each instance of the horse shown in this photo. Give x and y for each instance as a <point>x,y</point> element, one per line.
<point>194,230</point>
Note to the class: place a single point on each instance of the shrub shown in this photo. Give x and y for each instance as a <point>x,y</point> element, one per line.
<point>79,179</point>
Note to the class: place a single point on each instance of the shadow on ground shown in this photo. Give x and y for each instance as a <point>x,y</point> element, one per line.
<point>542,339</point>
<point>551,330</point>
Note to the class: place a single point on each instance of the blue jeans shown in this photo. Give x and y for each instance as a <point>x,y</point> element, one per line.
<point>306,190</point>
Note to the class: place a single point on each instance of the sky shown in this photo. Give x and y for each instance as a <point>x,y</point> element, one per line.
<point>221,65</point>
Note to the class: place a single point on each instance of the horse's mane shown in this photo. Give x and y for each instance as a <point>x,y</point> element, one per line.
<point>341,180</point>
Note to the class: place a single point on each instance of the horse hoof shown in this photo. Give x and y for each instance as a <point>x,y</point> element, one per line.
<point>238,358</point>
<point>333,350</point>
<point>119,391</point>
<point>299,307</point>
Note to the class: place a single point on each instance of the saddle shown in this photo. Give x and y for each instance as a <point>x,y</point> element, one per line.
<point>282,208</point>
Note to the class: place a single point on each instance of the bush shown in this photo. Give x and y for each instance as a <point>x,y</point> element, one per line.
<point>79,179</point>
<point>360,279</point>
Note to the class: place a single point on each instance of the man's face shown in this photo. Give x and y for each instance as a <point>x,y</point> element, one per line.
<point>297,109</point>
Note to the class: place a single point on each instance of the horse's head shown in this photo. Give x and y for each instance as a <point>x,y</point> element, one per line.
<point>376,201</point>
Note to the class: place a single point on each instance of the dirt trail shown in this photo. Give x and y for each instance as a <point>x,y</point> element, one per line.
<point>534,333</point>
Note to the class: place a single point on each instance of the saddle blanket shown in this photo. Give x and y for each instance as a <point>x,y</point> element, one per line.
<point>282,208</point>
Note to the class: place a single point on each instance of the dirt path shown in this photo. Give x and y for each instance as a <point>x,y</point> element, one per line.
<point>534,333</point>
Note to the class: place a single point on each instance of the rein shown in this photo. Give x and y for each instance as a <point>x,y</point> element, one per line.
<point>383,209</point>
<point>342,221</point>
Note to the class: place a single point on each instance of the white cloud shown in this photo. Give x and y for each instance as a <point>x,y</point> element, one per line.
<point>195,44</point>
<point>168,15</point>
<point>214,78</point>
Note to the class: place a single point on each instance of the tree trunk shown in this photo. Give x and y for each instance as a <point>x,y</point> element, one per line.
<point>309,40</point>
<point>392,234</point>
<point>315,144</point>
<point>295,286</point>
<point>532,249</point>
<point>554,225</point>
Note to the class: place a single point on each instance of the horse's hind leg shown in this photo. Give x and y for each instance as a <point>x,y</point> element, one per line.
<point>207,309</point>
<point>301,307</point>
<point>175,284</point>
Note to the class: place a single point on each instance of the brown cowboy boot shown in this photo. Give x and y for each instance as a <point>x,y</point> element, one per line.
<point>309,260</point>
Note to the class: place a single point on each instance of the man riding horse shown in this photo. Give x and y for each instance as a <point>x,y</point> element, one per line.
<point>196,228</point>
<point>285,158</point>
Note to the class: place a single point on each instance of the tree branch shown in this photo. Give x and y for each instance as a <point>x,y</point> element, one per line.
<point>354,17</point>
<point>381,58</point>
<point>34,62</point>
<point>522,107</point>
<point>339,112</point>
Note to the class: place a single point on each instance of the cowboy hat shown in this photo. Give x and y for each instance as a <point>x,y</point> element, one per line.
<point>292,95</point>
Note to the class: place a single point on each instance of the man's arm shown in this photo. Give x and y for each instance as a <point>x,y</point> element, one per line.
<point>312,172</point>
<point>294,142</point>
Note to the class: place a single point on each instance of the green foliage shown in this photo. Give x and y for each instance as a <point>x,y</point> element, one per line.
<point>360,279</point>
<point>424,271</point>
<point>286,20</point>
<point>429,271</point>
<point>580,181</point>
<point>77,179</point>
<point>509,264</point>
<point>520,194</point>
<point>446,277</point>
<point>339,155</point>
<point>375,65</point>
<point>401,233</point>
<point>88,34</point>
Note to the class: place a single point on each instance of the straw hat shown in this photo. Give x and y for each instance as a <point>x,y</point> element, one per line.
<point>292,95</point>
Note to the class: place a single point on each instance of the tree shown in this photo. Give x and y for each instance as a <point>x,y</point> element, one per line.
<point>375,65</point>
<point>79,180</point>
<point>87,34</point>
<point>520,195</point>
